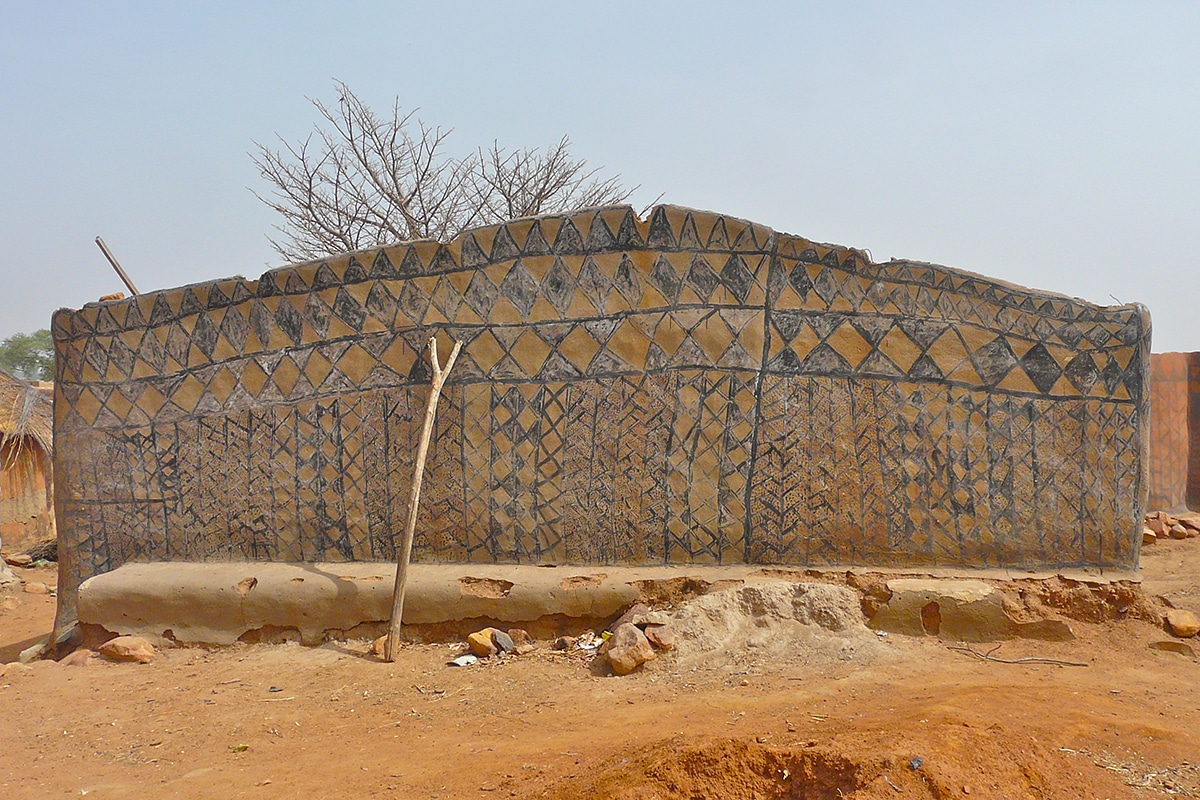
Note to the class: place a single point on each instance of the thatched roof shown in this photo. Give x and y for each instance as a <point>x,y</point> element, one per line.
<point>24,412</point>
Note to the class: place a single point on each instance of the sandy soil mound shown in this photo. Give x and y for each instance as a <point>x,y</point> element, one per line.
<point>749,626</point>
<point>968,762</point>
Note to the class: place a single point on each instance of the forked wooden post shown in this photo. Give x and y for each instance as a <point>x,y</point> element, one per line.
<point>405,552</point>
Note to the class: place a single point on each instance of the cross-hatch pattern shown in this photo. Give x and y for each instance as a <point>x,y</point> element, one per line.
<point>689,388</point>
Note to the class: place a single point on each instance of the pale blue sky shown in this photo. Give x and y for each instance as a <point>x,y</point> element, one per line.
<point>1049,144</point>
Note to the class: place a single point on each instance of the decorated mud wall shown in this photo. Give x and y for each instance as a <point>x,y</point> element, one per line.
<point>690,388</point>
<point>1174,459</point>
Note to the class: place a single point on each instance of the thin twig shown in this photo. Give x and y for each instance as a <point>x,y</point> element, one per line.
<point>1028,660</point>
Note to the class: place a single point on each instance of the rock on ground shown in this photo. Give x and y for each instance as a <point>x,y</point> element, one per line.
<point>1182,623</point>
<point>502,641</point>
<point>80,658</point>
<point>128,648</point>
<point>6,576</point>
<point>661,636</point>
<point>634,610</point>
<point>31,653</point>
<point>482,643</point>
<point>628,649</point>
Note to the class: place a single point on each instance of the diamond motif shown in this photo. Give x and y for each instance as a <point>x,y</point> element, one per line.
<point>611,405</point>
<point>559,286</point>
<point>520,288</point>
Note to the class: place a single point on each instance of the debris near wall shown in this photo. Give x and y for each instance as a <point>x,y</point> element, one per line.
<point>7,579</point>
<point>1161,525</point>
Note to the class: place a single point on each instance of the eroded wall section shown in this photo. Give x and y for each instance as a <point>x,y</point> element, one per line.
<point>686,389</point>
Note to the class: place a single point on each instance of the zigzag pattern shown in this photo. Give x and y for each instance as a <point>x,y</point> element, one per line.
<point>689,388</point>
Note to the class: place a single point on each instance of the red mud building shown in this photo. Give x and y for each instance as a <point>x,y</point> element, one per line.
<point>1174,432</point>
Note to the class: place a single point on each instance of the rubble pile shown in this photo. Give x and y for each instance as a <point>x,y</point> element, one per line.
<point>1161,525</point>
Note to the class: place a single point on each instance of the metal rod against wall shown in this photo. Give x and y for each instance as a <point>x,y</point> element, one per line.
<point>113,260</point>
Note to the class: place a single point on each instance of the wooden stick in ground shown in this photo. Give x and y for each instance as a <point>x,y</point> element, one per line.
<point>405,550</point>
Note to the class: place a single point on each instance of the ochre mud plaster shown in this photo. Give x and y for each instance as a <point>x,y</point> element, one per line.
<point>1174,459</point>
<point>686,389</point>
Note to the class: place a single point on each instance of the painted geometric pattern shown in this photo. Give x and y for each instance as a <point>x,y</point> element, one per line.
<point>689,388</point>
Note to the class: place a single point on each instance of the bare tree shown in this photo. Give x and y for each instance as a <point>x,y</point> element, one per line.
<point>361,180</point>
<point>521,183</point>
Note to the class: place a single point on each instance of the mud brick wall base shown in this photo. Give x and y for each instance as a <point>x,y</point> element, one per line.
<point>686,389</point>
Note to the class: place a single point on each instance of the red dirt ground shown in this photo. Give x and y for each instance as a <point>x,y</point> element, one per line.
<point>198,723</point>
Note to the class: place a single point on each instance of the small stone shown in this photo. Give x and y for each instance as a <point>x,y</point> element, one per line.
<point>1157,524</point>
<point>502,641</point>
<point>564,642</point>
<point>651,618</point>
<point>79,658</point>
<point>1177,531</point>
<point>1190,520</point>
<point>519,636</point>
<point>1148,536</point>
<point>464,661</point>
<point>1174,647</point>
<point>481,644</point>
<point>128,648</point>
<point>1182,623</point>
<point>9,603</point>
<point>35,587</point>
<point>30,653</point>
<point>22,560</point>
<point>628,649</point>
<point>524,649</point>
<point>661,636</point>
<point>635,610</point>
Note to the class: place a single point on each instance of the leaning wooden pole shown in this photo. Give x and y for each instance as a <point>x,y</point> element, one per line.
<point>404,552</point>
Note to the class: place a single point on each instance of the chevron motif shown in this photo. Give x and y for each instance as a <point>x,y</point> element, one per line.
<point>687,388</point>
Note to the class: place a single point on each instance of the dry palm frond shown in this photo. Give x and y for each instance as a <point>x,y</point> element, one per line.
<point>26,420</point>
